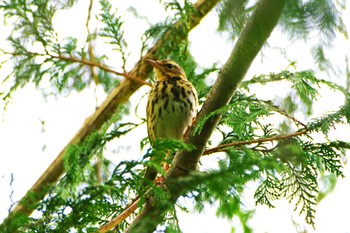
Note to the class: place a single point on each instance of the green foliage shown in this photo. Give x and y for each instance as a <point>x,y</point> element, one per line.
<point>81,201</point>
<point>161,152</point>
<point>113,29</point>
<point>305,86</point>
<point>319,19</point>
<point>244,115</point>
<point>78,212</point>
<point>33,24</point>
<point>77,160</point>
<point>171,49</point>
<point>302,162</point>
<point>38,55</point>
<point>289,168</point>
<point>63,62</point>
<point>182,11</point>
<point>303,18</point>
<point>233,16</point>
<point>327,122</point>
<point>226,185</point>
<point>33,20</point>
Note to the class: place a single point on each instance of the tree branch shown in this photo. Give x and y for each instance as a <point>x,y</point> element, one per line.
<point>116,98</point>
<point>254,35</point>
<point>223,147</point>
<point>121,217</point>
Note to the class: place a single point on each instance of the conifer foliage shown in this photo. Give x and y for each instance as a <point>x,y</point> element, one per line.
<point>262,142</point>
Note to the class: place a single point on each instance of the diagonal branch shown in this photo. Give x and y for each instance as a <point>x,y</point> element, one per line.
<point>116,98</point>
<point>254,35</point>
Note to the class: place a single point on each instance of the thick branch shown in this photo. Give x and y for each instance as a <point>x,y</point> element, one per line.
<point>254,35</point>
<point>116,98</point>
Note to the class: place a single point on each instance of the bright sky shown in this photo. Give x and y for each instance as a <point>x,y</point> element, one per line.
<point>27,147</point>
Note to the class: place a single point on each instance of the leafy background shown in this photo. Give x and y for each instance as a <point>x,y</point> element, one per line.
<point>58,91</point>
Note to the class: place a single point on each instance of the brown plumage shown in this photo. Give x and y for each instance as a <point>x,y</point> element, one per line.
<point>172,104</point>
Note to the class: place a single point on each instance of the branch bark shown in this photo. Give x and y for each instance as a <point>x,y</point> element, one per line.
<point>254,35</point>
<point>116,98</point>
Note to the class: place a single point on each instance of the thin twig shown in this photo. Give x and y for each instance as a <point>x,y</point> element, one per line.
<point>121,217</point>
<point>284,113</point>
<point>93,60</point>
<point>92,55</point>
<point>89,16</point>
<point>85,62</point>
<point>223,147</point>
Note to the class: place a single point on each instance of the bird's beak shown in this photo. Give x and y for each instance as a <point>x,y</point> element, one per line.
<point>155,64</point>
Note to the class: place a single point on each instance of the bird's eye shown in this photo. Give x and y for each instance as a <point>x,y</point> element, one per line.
<point>170,66</point>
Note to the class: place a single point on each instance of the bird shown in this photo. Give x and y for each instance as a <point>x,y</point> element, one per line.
<point>171,106</point>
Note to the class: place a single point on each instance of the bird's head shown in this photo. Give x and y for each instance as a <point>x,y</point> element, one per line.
<point>165,69</point>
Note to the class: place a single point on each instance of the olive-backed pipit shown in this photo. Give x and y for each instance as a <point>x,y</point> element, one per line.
<point>172,104</point>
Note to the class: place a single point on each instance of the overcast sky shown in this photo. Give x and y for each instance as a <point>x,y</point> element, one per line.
<point>34,129</point>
